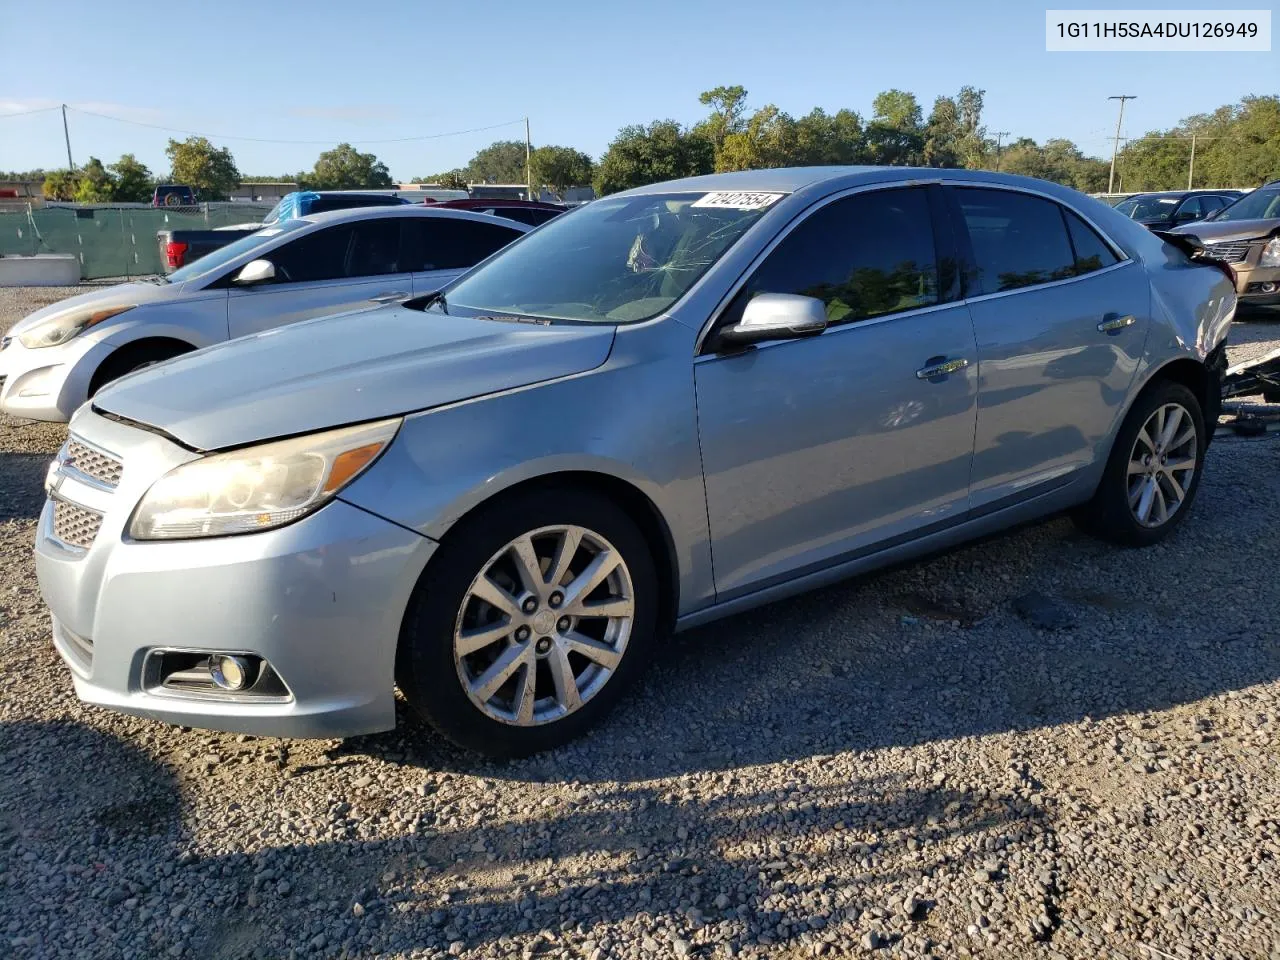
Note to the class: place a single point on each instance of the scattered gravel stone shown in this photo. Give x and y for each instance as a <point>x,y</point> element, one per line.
<point>921,763</point>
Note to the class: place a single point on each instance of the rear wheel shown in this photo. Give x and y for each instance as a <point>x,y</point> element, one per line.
<point>529,622</point>
<point>1153,472</point>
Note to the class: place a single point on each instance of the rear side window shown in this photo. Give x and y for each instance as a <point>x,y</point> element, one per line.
<point>1091,253</point>
<point>448,244</point>
<point>531,216</point>
<point>864,256</point>
<point>1018,240</point>
<point>324,204</point>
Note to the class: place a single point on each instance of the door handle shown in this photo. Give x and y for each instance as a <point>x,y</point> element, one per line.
<point>1113,324</point>
<point>390,297</point>
<point>936,367</point>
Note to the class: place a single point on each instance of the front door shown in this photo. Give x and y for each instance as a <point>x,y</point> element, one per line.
<point>816,450</point>
<point>337,268</point>
<point>1061,324</point>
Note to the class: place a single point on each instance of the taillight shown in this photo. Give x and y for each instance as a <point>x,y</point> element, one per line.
<point>175,253</point>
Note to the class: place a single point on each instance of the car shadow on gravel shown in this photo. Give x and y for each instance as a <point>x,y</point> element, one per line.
<point>91,822</point>
<point>22,492</point>
<point>893,660</point>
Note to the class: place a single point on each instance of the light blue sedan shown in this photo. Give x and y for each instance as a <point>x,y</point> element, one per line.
<point>667,406</point>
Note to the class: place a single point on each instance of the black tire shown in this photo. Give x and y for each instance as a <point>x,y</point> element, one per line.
<point>426,670</point>
<point>1108,515</point>
<point>130,358</point>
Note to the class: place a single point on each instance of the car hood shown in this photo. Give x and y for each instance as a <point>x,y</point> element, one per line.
<point>343,369</point>
<point>1213,232</point>
<point>114,296</point>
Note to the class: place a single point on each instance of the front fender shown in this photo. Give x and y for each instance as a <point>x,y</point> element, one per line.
<point>200,323</point>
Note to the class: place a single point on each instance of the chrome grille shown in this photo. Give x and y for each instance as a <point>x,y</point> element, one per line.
<point>74,525</point>
<point>92,463</point>
<point>1232,252</point>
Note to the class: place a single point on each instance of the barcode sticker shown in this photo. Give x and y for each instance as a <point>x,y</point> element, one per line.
<point>738,200</point>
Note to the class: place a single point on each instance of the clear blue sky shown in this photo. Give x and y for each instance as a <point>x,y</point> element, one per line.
<point>579,70</point>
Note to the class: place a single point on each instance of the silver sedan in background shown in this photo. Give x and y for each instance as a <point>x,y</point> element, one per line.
<point>670,405</point>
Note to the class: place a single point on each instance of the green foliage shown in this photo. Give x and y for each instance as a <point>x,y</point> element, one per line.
<point>60,185</point>
<point>661,151</point>
<point>727,107</point>
<point>1238,145</point>
<point>501,162</point>
<point>95,184</point>
<point>561,167</point>
<point>452,180</point>
<point>134,183</point>
<point>346,168</point>
<point>198,163</point>
<point>1058,160</point>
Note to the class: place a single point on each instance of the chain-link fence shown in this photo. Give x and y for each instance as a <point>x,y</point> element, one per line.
<point>113,241</point>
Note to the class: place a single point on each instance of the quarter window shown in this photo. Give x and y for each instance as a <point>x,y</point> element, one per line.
<point>1091,253</point>
<point>1018,240</point>
<point>864,256</point>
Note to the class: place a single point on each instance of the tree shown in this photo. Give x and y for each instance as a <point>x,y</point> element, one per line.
<point>95,184</point>
<point>561,167</point>
<point>942,135</point>
<point>346,168</point>
<point>895,135</point>
<point>822,139</point>
<point>198,163</point>
<point>727,104</point>
<point>60,185</point>
<point>768,140</point>
<point>501,162</point>
<point>134,182</point>
<point>661,151</point>
<point>453,180</point>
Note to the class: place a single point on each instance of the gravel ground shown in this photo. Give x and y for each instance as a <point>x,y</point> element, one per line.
<point>1038,746</point>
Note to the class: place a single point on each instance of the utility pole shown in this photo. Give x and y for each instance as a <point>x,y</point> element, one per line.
<point>1115,149</point>
<point>528,158</point>
<point>67,135</point>
<point>1000,135</point>
<point>1191,167</point>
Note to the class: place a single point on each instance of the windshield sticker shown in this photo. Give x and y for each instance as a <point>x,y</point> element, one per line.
<point>738,200</point>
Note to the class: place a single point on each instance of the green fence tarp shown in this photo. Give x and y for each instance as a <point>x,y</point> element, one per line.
<point>113,241</point>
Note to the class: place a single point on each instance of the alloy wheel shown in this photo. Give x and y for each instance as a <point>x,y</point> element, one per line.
<point>1162,465</point>
<point>544,625</point>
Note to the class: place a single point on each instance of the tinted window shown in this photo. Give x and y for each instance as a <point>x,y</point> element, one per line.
<point>862,256</point>
<point>529,215</point>
<point>1018,240</point>
<point>351,201</point>
<point>375,248</point>
<point>446,244</point>
<point>1091,253</point>
<point>1191,209</point>
<point>317,256</point>
<point>1212,203</point>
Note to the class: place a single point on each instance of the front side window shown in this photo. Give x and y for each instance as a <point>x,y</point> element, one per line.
<point>321,255</point>
<point>863,256</point>
<point>1018,240</point>
<point>617,260</point>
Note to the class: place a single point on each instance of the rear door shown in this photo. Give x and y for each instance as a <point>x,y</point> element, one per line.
<point>442,248</point>
<point>337,268</point>
<point>1061,321</point>
<point>817,450</point>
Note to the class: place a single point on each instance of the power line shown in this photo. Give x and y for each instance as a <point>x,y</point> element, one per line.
<point>331,140</point>
<point>27,113</point>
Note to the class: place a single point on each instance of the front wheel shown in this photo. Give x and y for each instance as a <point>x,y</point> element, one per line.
<point>529,623</point>
<point>1153,471</point>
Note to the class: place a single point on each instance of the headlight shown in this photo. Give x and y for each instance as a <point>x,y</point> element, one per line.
<point>260,487</point>
<point>1271,254</point>
<point>62,327</point>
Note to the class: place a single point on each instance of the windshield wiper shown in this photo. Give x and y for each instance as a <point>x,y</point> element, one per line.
<point>514,318</point>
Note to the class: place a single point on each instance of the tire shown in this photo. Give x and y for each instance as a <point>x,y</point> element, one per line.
<point>128,359</point>
<point>1109,514</point>
<point>444,610</point>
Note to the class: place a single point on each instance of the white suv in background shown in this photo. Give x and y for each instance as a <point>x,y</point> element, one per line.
<point>54,360</point>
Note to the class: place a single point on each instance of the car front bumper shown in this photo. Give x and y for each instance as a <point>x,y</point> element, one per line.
<point>320,600</point>
<point>49,383</point>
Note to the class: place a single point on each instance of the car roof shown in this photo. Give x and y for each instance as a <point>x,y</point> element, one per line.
<point>1225,191</point>
<point>494,202</point>
<point>408,210</point>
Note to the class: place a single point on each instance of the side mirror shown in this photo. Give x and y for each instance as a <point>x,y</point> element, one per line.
<point>776,316</point>
<point>255,272</point>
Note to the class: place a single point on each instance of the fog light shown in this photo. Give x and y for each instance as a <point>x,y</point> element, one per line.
<point>230,673</point>
<point>1268,287</point>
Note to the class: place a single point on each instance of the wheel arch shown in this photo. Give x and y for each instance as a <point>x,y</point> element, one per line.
<point>638,506</point>
<point>1197,377</point>
<point>140,347</point>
